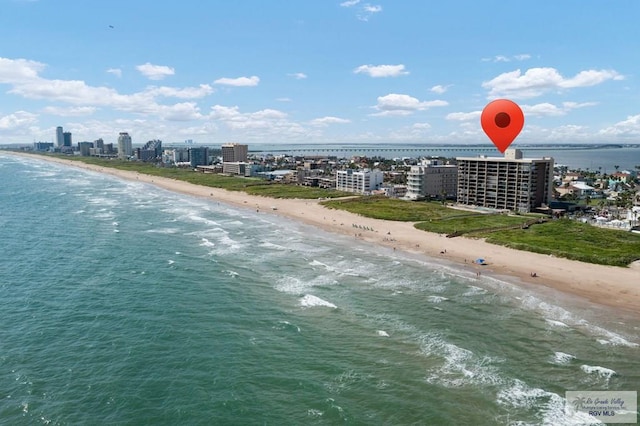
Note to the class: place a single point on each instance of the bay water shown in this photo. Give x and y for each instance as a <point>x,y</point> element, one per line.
<point>604,158</point>
<point>122,303</point>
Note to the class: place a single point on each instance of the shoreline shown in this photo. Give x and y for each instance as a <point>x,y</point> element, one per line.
<point>609,286</point>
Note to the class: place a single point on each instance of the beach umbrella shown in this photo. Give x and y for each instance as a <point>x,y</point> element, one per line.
<point>480,260</point>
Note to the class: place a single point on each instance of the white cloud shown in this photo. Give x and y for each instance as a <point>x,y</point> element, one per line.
<point>574,105</point>
<point>440,89</point>
<point>464,116</point>
<point>298,75</point>
<point>235,119</point>
<point>381,70</point>
<point>69,111</point>
<point>155,72</point>
<point>536,81</point>
<point>17,120</point>
<point>185,111</point>
<point>591,78</point>
<point>628,127</point>
<point>397,104</point>
<point>258,125</point>
<point>349,3</point>
<point>239,82</point>
<point>23,77</point>
<point>284,99</point>
<point>71,91</point>
<point>503,58</point>
<point>19,70</point>
<point>324,121</point>
<point>184,93</point>
<point>421,126</point>
<point>364,10</point>
<point>367,10</point>
<point>542,109</point>
<point>547,109</point>
<point>115,71</point>
<point>372,9</point>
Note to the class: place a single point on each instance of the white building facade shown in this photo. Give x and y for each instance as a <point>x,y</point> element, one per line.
<point>431,179</point>
<point>125,147</point>
<point>359,181</point>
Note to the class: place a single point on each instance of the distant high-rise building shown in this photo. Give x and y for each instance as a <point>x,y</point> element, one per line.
<point>234,152</point>
<point>85,148</point>
<point>59,136</point>
<point>42,146</point>
<point>99,144</point>
<point>509,183</point>
<point>199,156</point>
<point>67,139</point>
<point>151,151</point>
<point>125,148</point>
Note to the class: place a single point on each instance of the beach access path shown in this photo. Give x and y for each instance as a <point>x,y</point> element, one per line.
<point>604,285</point>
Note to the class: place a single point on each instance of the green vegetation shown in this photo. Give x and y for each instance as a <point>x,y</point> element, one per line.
<point>253,186</point>
<point>277,190</point>
<point>381,207</point>
<point>471,224</point>
<point>573,240</point>
<point>561,238</point>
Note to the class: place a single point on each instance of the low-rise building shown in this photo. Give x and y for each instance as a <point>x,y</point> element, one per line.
<point>432,179</point>
<point>359,181</point>
<point>238,168</point>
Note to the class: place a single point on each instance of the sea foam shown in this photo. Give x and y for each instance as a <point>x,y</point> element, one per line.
<point>310,300</point>
<point>606,373</point>
<point>562,358</point>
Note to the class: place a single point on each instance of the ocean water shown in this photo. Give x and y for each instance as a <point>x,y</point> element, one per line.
<point>122,303</point>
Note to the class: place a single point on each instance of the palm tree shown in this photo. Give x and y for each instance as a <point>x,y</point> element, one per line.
<point>616,167</point>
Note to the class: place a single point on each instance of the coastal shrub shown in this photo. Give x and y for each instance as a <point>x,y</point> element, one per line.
<point>573,240</point>
<point>381,207</point>
<point>470,223</point>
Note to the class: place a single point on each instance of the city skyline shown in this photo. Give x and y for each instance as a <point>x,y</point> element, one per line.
<point>337,71</point>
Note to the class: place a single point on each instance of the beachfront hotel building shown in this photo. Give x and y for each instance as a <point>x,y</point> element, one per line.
<point>151,151</point>
<point>432,179</point>
<point>67,139</point>
<point>359,181</point>
<point>234,152</point>
<point>198,156</point>
<point>59,137</point>
<point>510,183</point>
<point>125,148</point>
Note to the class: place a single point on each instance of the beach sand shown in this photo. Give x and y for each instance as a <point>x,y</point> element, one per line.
<point>605,285</point>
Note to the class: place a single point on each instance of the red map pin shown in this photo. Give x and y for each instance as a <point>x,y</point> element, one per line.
<point>502,120</point>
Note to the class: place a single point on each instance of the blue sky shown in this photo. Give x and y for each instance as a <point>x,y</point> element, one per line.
<point>317,71</point>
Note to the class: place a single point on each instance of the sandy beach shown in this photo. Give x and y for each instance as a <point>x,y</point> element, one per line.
<point>606,285</point>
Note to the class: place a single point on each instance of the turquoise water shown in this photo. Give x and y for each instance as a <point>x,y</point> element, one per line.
<point>126,304</point>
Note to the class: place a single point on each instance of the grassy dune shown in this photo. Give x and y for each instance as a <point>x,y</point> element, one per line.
<point>561,238</point>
